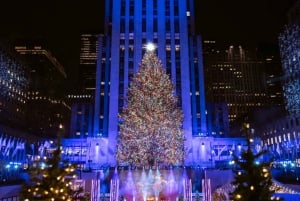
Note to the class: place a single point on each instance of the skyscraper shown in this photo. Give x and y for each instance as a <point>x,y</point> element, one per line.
<point>129,26</point>
<point>14,85</point>
<point>45,91</point>
<point>244,79</point>
<point>88,61</point>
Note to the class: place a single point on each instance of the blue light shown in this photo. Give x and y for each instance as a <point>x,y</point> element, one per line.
<point>289,48</point>
<point>231,162</point>
<point>43,165</point>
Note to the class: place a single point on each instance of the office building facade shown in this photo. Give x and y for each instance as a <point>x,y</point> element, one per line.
<point>45,104</point>
<point>244,79</point>
<point>14,86</point>
<point>128,26</point>
<point>88,62</point>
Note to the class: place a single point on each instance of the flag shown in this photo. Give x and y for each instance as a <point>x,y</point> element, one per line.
<point>32,146</point>
<point>3,141</point>
<point>16,148</point>
<point>278,149</point>
<point>23,145</point>
<point>19,146</point>
<point>257,148</point>
<point>1,138</point>
<point>41,148</point>
<point>9,146</point>
<point>233,147</point>
<point>296,143</point>
<point>47,144</point>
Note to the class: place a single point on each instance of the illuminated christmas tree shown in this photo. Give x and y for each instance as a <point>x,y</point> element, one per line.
<point>151,123</point>
<point>52,180</point>
<point>253,179</point>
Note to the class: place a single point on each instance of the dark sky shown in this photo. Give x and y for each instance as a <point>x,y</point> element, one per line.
<point>60,22</point>
<point>244,21</point>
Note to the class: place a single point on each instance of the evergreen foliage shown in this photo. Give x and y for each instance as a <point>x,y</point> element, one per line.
<point>253,179</point>
<point>151,123</point>
<point>52,180</point>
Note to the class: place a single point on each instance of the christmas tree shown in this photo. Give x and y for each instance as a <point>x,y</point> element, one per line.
<point>151,123</point>
<point>253,179</point>
<point>52,180</point>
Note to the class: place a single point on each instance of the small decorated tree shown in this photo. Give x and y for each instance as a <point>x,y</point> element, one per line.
<point>253,179</point>
<point>52,180</point>
<point>151,123</point>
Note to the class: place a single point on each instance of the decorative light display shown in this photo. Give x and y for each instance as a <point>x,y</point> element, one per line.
<point>151,124</point>
<point>289,42</point>
<point>13,81</point>
<point>253,179</point>
<point>51,180</point>
<point>223,192</point>
<point>150,47</point>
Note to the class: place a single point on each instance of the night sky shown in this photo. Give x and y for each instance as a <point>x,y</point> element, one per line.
<point>60,22</point>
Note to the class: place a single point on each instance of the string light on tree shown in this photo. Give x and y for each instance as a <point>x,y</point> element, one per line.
<point>253,181</point>
<point>151,124</point>
<point>51,180</point>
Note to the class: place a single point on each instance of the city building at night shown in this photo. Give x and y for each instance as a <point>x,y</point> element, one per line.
<point>88,61</point>
<point>14,85</point>
<point>214,86</point>
<point>128,27</point>
<point>217,119</point>
<point>282,135</point>
<point>243,79</point>
<point>46,107</point>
